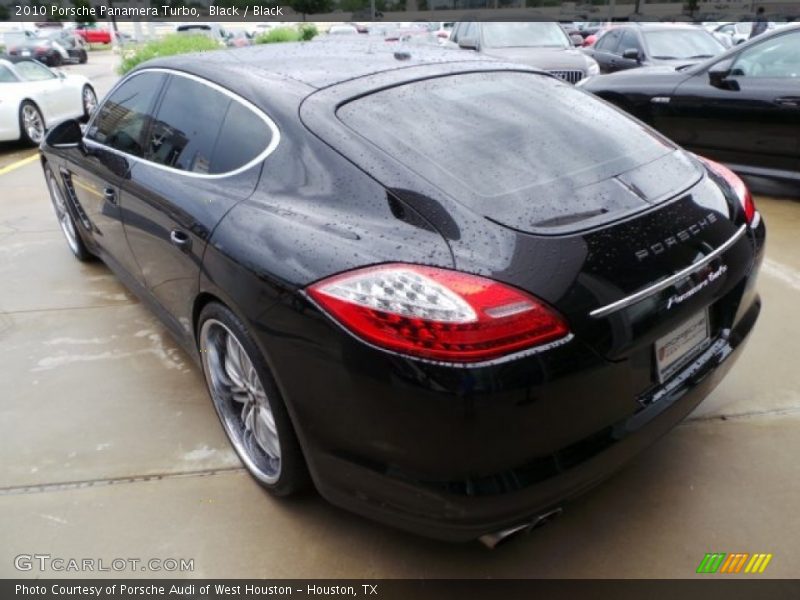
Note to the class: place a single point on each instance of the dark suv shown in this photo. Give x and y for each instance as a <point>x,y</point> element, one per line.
<point>544,45</point>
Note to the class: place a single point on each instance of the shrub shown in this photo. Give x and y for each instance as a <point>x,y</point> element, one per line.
<point>176,43</point>
<point>308,32</point>
<point>277,35</point>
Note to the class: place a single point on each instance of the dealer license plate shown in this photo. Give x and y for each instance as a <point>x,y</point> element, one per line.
<point>679,347</point>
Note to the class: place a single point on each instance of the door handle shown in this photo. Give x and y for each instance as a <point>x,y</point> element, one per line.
<point>110,194</point>
<point>790,101</point>
<point>180,240</point>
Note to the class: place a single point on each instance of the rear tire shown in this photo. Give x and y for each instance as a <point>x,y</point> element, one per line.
<point>89,101</point>
<point>248,402</point>
<point>83,57</point>
<point>56,60</point>
<point>65,219</point>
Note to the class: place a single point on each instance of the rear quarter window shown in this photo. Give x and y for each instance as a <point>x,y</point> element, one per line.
<point>203,130</point>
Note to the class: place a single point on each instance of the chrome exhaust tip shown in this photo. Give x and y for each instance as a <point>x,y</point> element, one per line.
<point>496,538</point>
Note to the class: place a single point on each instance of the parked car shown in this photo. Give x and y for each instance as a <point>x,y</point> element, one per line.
<point>742,107</point>
<point>360,27</point>
<point>634,46</point>
<point>212,31</point>
<point>239,38</point>
<point>405,280</point>
<point>52,47</point>
<point>441,29</point>
<point>738,33</point>
<point>33,98</point>
<point>573,32</point>
<point>596,33</point>
<point>92,33</point>
<point>342,30</point>
<point>540,44</point>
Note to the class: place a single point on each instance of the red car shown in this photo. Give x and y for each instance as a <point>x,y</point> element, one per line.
<point>92,34</point>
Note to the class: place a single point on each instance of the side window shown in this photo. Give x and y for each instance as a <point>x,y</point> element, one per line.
<point>32,71</point>
<point>243,137</point>
<point>776,57</point>
<point>187,125</point>
<point>123,117</point>
<point>6,76</point>
<point>202,130</point>
<point>608,43</point>
<point>629,40</point>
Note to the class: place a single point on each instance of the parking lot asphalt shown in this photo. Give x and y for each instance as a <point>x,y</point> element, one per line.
<point>112,449</point>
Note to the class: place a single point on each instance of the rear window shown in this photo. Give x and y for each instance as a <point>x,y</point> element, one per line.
<point>502,141</point>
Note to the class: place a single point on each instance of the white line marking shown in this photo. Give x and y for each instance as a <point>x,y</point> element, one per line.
<point>786,274</point>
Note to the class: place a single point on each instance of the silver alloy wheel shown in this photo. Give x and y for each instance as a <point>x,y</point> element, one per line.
<point>241,400</point>
<point>62,213</point>
<point>33,123</point>
<point>89,101</point>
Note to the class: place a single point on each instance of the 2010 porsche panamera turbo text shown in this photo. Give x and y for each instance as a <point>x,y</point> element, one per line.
<point>404,281</point>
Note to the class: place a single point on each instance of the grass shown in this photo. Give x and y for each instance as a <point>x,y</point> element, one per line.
<point>166,46</point>
<point>277,35</point>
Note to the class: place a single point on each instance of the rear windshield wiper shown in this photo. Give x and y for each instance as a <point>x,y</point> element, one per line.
<point>699,56</point>
<point>666,57</point>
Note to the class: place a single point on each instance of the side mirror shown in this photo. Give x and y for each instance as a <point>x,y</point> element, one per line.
<point>577,39</point>
<point>632,54</point>
<point>718,75</point>
<point>67,134</point>
<point>468,43</point>
<point>60,74</point>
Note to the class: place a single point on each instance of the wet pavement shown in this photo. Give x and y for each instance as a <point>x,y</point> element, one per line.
<point>112,449</point>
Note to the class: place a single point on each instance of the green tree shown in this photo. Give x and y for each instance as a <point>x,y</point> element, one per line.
<point>86,5</point>
<point>311,7</point>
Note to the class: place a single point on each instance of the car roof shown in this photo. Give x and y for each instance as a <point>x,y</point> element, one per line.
<point>15,59</point>
<point>316,64</point>
<point>661,26</point>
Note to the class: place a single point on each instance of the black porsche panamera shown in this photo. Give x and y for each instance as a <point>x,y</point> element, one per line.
<point>402,280</point>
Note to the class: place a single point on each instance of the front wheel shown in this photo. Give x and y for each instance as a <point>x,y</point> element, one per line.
<point>83,57</point>
<point>31,123</point>
<point>248,402</point>
<point>65,220</point>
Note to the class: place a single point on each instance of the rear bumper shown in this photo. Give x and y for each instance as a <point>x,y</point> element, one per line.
<point>428,509</point>
<point>456,453</point>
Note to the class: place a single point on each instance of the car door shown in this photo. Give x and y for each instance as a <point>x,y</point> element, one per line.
<point>55,97</point>
<point>629,41</point>
<point>96,174</point>
<point>744,109</point>
<point>201,158</point>
<point>41,85</point>
<point>605,51</point>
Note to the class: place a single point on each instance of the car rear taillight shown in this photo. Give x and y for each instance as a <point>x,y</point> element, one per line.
<point>737,185</point>
<point>437,314</point>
